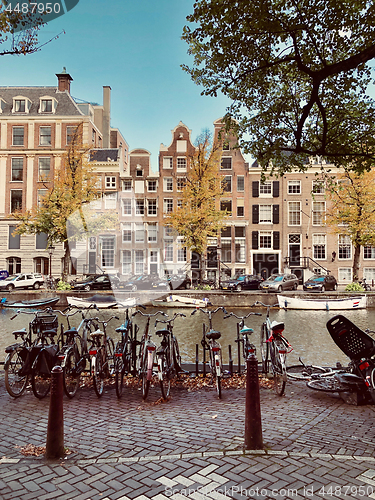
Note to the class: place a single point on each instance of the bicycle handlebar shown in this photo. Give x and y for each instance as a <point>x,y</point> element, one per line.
<point>242,317</point>
<point>149,315</point>
<point>209,312</point>
<point>176,315</point>
<point>105,322</point>
<point>258,303</point>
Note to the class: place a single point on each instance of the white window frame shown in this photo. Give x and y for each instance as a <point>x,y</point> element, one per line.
<point>152,232</point>
<point>168,184</point>
<point>318,187</point>
<point>14,135</point>
<point>127,185</point>
<point>318,213</point>
<point>294,187</point>
<point>319,242</point>
<point>126,262</point>
<point>181,163</point>
<point>155,184</point>
<point>168,205</point>
<point>152,203</point>
<point>167,162</point>
<point>345,274</point>
<point>265,189</point>
<point>369,249</point>
<point>110,182</point>
<point>241,178</point>
<point>40,160</point>
<point>265,214</point>
<point>127,202</point>
<point>293,218</point>
<point>344,242</point>
<point>140,206</point>
<point>265,240</point>
<point>127,230</point>
<point>42,137</point>
<point>110,201</point>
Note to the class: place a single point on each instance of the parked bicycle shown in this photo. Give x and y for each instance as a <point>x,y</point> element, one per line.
<point>243,333</point>
<point>274,348</point>
<point>35,357</point>
<point>126,352</point>
<point>102,356</point>
<point>168,355</point>
<point>307,372</point>
<point>147,348</point>
<point>210,343</point>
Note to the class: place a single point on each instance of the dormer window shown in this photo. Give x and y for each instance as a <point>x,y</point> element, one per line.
<point>2,105</point>
<point>47,105</point>
<point>21,105</point>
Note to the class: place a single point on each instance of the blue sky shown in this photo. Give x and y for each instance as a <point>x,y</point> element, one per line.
<point>135,47</point>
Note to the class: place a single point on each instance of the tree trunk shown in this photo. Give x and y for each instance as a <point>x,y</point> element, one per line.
<point>66,261</point>
<point>357,253</point>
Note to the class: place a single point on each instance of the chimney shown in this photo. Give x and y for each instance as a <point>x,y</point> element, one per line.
<point>64,80</point>
<point>106,116</point>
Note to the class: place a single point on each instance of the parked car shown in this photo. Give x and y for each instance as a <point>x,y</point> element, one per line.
<point>280,282</point>
<point>243,282</point>
<point>320,283</point>
<point>96,282</point>
<point>31,280</point>
<point>3,274</point>
<point>179,281</point>
<point>145,282</point>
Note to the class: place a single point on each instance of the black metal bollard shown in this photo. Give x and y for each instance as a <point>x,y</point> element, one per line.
<point>55,429</point>
<point>253,420</point>
<point>230,360</point>
<point>196,360</point>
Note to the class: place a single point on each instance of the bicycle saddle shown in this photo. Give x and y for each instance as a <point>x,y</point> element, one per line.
<point>97,333</point>
<point>246,330</point>
<point>71,331</point>
<point>18,333</point>
<point>164,331</point>
<point>213,335</point>
<point>277,325</point>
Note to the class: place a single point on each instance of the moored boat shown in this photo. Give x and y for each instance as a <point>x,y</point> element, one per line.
<point>324,303</point>
<point>101,301</point>
<point>181,301</point>
<point>29,304</point>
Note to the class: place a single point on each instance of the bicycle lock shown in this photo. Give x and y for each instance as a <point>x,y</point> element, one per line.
<point>253,420</point>
<point>55,428</point>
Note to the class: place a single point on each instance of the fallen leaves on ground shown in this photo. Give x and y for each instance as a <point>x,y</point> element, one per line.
<point>31,450</point>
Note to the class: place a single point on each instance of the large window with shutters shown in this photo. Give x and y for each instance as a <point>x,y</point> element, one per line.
<point>265,239</point>
<point>265,214</point>
<point>267,189</point>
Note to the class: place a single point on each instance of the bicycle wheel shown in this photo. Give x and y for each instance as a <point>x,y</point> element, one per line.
<point>327,384</point>
<point>176,356</point>
<point>71,378</point>
<point>98,373</point>
<point>40,382</point>
<point>264,348</point>
<point>303,372</point>
<point>15,383</point>
<point>218,386</point>
<point>279,370</point>
<point>164,376</point>
<point>145,377</point>
<point>110,350</point>
<point>119,371</point>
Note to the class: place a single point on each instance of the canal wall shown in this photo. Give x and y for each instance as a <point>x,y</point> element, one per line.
<point>216,297</point>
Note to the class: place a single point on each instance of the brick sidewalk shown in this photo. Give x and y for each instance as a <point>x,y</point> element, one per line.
<point>190,446</point>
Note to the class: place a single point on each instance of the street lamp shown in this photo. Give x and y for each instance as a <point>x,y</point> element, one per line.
<point>50,252</point>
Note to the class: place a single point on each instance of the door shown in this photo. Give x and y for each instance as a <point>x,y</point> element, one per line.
<point>294,250</point>
<point>92,262</point>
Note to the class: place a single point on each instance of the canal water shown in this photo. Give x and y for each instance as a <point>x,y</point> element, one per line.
<point>305,331</point>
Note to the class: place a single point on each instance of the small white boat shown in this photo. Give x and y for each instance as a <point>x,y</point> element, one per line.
<point>101,301</point>
<point>327,304</point>
<point>180,301</point>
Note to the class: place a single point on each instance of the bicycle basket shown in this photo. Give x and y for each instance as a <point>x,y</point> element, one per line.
<point>44,322</point>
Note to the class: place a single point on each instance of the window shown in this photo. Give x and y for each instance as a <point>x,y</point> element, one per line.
<point>126,206</point>
<point>369,273</point>
<point>265,189</point>
<point>110,200</point>
<point>168,250</point>
<point>294,213</point>
<point>227,182</point>
<point>168,183</point>
<point>265,239</point>
<point>226,250</point>
<point>181,163</point>
<point>152,232</point>
<point>345,247</point>
<point>70,131</point>
<point>41,265</point>
<point>45,136</point>
<point>126,262</point>
<point>181,254</point>
<point>41,241</point>
<point>226,205</point>
<point>294,187</point>
<point>152,207</point>
<point>226,163</point>
<point>240,207</point>
<point>318,212</point>
<point>168,232</point>
<point>127,233</point>
<point>17,169</point>
<point>14,265</point>
<point>15,200</point>
<point>139,172</point>
<point>44,169</point>
<point>139,262</point>
<point>151,185</point>
<point>168,205</point>
<point>46,106</point>
<point>369,252</point>
<point>127,185</point>
<point>265,214</point>
<point>319,246</point>
<point>93,137</point>
<point>18,136</point>
<point>14,240</point>
<point>139,233</point>
<point>42,193</point>
<point>139,207</point>
<point>110,182</point>
<point>240,183</point>
<point>181,183</point>
<point>108,251</point>
<point>345,274</point>
<point>239,243</point>
<point>167,162</point>
<point>19,106</point>
<point>318,187</point>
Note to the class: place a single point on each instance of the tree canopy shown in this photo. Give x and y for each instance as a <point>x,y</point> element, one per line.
<point>352,210</point>
<point>297,73</point>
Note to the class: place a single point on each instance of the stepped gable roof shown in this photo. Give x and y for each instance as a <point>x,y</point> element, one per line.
<point>103,155</point>
<point>65,103</point>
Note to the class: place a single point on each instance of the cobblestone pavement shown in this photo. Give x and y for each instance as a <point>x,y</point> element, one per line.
<point>315,446</point>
